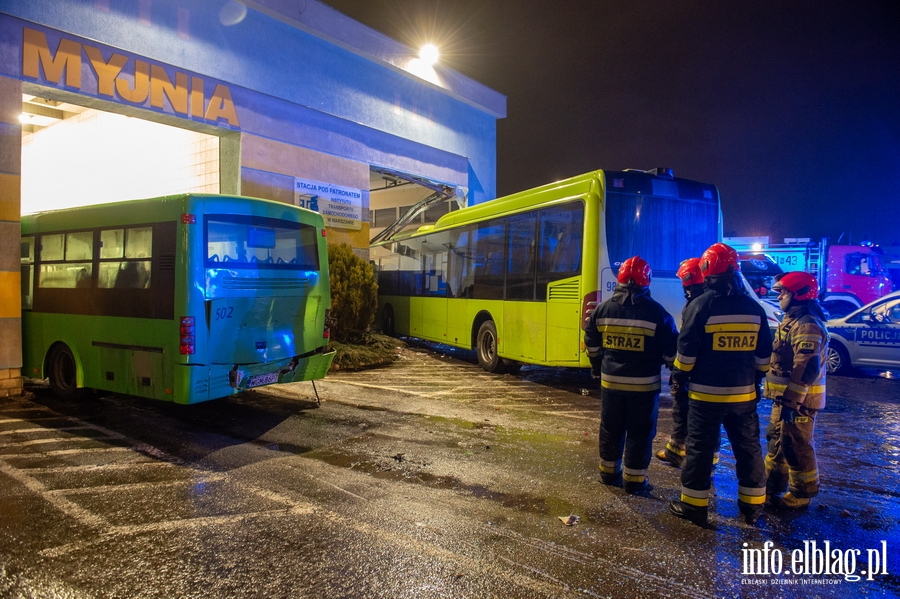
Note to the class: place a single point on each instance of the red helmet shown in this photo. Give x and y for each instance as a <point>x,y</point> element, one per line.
<point>635,269</point>
<point>689,272</point>
<point>718,259</point>
<point>802,284</point>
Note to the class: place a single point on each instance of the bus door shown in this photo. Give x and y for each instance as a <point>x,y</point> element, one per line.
<point>434,285</point>
<point>559,280</point>
<point>524,332</point>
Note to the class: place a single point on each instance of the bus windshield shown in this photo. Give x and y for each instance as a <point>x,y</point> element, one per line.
<point>663,221</point>
<point>254,242</point>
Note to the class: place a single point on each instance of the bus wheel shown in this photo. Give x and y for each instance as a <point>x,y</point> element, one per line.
<point>62,373</point>
<point>387,321</point>
<point>486,348</point>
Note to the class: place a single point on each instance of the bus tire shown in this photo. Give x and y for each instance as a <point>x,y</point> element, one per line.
<point>486,348</point>
<point>62,373</point>
<point>837,360</point>
<point>387,321</point>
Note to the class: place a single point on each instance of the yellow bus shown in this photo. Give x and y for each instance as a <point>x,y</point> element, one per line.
<point>515,278</point>
<point>183,298</point>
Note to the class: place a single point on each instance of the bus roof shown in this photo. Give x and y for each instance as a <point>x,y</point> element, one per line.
<point>143,210</point>
<point>560,191</point>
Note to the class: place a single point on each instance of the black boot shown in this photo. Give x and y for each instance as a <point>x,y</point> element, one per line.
<point>698,516</point>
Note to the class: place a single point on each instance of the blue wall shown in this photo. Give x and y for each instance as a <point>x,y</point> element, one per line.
<point>301,85</point>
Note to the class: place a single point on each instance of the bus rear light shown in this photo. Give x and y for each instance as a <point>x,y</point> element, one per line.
<point>329,321</point>
<point>188,219</point>
<point>186,335</point>
<point>323,233</point>
<point>591,301</point>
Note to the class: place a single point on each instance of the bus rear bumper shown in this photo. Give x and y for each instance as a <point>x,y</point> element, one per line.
<point>308,367</point>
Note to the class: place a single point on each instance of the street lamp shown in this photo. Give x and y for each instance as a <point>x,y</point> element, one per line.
<point>429,54</point>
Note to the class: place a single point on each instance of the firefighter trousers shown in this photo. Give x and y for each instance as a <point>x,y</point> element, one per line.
<point>627,425</point>
<point>741,423</point>
<point>791,456</point>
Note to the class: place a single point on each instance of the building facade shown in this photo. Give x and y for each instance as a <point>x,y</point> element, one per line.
<point>104,100</point>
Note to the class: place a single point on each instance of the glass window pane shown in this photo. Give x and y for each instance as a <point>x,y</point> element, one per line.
<point>131,274</point>
<point>52,246</point>
<point>521,258</point>
<point>112,243</point>
<point>489,241</point>
<point>247,242</point>
<point>79,246</point>
<point>66,276</point>
<point>139,242</point>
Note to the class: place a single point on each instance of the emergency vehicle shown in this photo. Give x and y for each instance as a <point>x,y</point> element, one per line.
<point>867,337</point>
<point>850,276</point>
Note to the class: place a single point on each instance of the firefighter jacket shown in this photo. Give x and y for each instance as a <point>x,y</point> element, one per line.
<point>724,347</point>
<point>798,359</point>
<point>628,338</point>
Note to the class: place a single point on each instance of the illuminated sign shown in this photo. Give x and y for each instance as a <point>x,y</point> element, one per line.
<point>341,206</point>
<point>122,78</point>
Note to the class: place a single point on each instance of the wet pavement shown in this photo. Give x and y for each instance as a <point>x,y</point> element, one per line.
<point>427,478</point>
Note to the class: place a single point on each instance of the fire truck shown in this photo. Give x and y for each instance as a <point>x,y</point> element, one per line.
<point>850,276</point>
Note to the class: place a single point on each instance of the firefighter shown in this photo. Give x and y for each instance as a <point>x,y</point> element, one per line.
<point>796,384</point>
<point>628,338</point>
<point>692,285</point>
<point>723,353</point>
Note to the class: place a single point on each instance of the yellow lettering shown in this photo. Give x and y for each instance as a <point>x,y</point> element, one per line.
<point>161,84</point>
<point>197,97</point>
<point>137,94</point>
<point>734,341</point>
<point>106,71</point>
<point>624,342</point>
<point>222,106</point>
<point>36,54</point>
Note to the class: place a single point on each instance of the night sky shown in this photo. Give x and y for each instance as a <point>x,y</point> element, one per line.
<point>792,108</point>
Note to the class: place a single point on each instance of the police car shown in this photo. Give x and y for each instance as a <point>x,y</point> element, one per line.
<point>868,337</point>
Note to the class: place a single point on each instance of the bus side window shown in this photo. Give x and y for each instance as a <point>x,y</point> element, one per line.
<point>27,278</point>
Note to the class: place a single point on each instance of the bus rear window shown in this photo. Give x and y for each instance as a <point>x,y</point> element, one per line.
<point>252,242</point>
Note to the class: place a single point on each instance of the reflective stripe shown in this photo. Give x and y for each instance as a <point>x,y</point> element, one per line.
<point>773,466</point>
<point>668,358</point>
<point>694,497</point>
<point>630,383</point>
<point>752,495</point>
<point>685,363</point>
<point>813,338</point>
<point>779,387</point>
<point>610,467</point>
<point>804,477</point>
<point>626,325</point>
<point>628,387</point>
<point>762,361</point>
<point>633,472</point>
<point>592,349</point>
<point>733,327</point>
<point>733,318</point>
<point>676,448</point>
<point>721,394</point>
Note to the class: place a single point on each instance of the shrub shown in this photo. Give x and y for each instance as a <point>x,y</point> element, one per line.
<point>354,293</point>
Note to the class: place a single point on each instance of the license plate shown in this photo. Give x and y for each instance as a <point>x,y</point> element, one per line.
<point>263,379</point>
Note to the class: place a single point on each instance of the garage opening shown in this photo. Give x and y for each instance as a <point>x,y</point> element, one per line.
<point>74,155</point>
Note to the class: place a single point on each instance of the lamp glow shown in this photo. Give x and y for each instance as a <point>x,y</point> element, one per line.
<point>429,54</point>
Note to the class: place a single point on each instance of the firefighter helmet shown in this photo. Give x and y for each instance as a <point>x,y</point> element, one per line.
<point>719,259</point>
<point>636,270</point>
<point>801,284</point>
<point>689,272</point>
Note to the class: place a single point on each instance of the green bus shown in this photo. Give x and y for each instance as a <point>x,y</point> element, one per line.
<point>183,298</point>
<point>515,278</point>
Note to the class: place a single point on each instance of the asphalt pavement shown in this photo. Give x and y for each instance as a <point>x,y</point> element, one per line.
<point>426,478</point>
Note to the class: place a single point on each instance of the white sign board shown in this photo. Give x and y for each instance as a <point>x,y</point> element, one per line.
<point>340,206</point>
